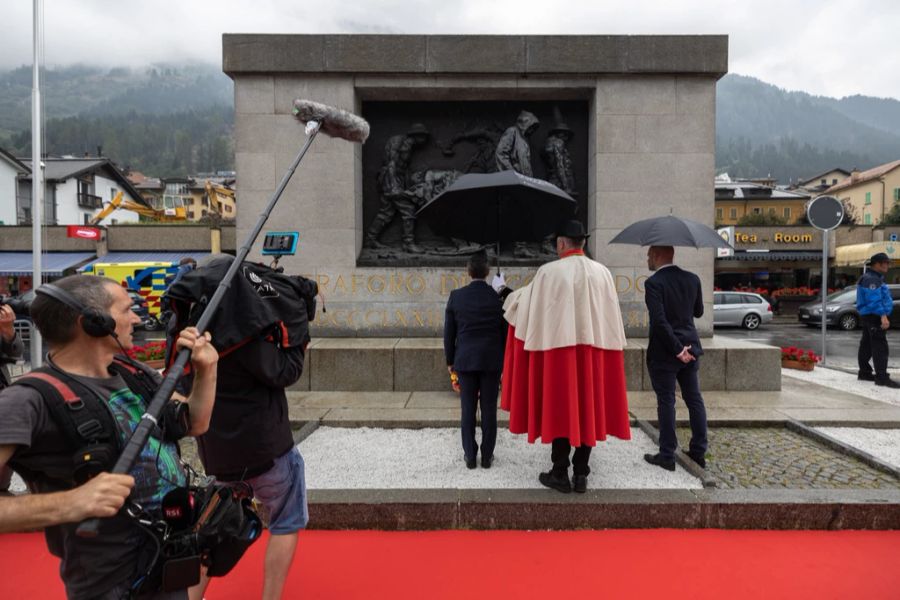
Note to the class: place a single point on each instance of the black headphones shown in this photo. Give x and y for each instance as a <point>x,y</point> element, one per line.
<point>96,323</point>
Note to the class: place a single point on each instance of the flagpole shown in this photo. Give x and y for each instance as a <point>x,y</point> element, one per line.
<point>37,174</point>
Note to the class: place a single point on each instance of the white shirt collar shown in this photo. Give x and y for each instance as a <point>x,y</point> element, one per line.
<point>658,269</point>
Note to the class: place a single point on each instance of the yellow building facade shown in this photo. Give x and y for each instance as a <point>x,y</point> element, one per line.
<point>870,194</point>
<point>735,200</point>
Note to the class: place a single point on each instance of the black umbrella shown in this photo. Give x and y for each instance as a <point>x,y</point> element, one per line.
<point>670,231</point>
<point>498,207</point>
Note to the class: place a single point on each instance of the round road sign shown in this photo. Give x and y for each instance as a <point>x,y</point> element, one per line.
<point>825,212</point>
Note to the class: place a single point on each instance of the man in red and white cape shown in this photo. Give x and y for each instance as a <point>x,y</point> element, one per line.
<point>564,368</point>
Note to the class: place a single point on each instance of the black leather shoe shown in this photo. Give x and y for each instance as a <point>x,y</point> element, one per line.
<point>890,383</point>
<point>486,462</point>
<point>700,460</point>
<point>560,484</point>
<point>659,461</point>
<point>470,463</point>
<point>864,376</point>
<point>579,483</point>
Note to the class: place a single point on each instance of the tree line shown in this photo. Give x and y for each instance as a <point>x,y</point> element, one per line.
<point>160,145</point>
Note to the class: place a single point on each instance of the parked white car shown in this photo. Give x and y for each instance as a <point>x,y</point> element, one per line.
<point>742,309</point>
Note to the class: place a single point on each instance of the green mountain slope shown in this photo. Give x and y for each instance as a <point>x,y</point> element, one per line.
<point>171,120</point>
<point>764,130</point>
<point>162,120</point>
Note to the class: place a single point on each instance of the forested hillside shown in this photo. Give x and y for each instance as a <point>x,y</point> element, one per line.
<point>763,130</point>
<point>174,120</point>
<point>162,120</point>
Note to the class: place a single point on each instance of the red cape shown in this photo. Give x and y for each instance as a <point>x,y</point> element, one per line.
<point>576,392</point>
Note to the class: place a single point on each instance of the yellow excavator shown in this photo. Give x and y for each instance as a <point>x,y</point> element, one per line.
<point>218,197</point>
<point>172,209</point>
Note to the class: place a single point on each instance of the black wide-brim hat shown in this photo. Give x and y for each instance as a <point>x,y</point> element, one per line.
<point>573,229</point>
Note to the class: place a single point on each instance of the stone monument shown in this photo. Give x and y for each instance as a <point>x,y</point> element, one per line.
<point>626,124</point>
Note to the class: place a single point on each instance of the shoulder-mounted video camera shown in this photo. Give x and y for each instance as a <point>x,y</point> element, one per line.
<point>20,306</point>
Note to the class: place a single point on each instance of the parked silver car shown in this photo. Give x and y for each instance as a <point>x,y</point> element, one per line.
<point>742,309</point>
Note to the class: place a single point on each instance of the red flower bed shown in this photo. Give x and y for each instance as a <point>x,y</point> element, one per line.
<point>799,355</point>
<point>752,290</point>
<point>149,351</point>
<point>799,291</point>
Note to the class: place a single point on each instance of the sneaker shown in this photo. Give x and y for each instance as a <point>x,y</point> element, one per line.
<point>888,383</point>
<point>556,482</point>
<point>865,376</point>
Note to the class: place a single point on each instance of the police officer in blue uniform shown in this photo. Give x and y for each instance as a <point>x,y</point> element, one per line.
<point>873,301</point>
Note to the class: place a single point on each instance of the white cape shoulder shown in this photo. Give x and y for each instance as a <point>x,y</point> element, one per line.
<point>571,301</point>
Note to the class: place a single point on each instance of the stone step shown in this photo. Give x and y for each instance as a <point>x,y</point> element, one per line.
<point>604,509</point>
<point>418,365</point>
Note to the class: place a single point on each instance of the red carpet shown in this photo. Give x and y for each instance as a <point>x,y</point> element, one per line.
<point>436,565</point>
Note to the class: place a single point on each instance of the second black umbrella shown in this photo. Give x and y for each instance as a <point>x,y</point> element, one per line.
<point>498,207</point>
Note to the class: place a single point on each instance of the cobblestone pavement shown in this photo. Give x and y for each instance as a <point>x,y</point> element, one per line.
<point>769,457</point>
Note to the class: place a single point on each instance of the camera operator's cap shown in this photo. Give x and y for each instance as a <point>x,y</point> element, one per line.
<point>881,257</point>
<point>573,229</point>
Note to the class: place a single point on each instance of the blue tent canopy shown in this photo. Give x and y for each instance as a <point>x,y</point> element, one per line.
<point>52,263</point>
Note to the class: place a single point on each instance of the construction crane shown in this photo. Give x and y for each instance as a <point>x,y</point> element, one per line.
<point>166,214</point>
<point>216,195</point>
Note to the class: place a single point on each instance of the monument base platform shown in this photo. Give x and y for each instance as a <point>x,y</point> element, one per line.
<point>418,365</point>
<point>604,509</point>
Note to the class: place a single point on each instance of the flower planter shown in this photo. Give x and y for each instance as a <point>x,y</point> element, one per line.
<point>156,363</point>
<point>796,364</point>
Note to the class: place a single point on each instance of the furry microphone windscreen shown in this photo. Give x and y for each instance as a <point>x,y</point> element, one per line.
<point>333,121</point>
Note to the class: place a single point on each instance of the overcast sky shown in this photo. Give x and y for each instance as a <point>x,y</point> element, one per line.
<point>823,47</point>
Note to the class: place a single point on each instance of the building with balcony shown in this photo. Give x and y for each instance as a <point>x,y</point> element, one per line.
<point>75,190</point>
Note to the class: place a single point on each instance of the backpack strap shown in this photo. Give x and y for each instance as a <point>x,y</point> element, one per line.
<point>174,422</point>
<point>86,423</point>
<point>137,376</point>
<point>75,409</point>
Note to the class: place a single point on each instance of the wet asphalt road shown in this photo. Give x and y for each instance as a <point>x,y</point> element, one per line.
<point>841,345</point>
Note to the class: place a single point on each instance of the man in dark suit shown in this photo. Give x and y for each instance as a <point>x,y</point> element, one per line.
<point>474,340</point>
<point>674,299</point>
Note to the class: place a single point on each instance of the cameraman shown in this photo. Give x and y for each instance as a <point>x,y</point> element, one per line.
<point>87,320</point>
<point>10,350</point>
<point>250,439</point>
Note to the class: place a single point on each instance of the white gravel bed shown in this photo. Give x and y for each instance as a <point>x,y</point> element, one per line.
<point>846,382</point>
<point>370,458</point>
<point>880,443</point>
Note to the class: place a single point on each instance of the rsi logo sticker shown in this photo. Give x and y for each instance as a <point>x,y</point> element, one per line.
<point>173,512</point>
